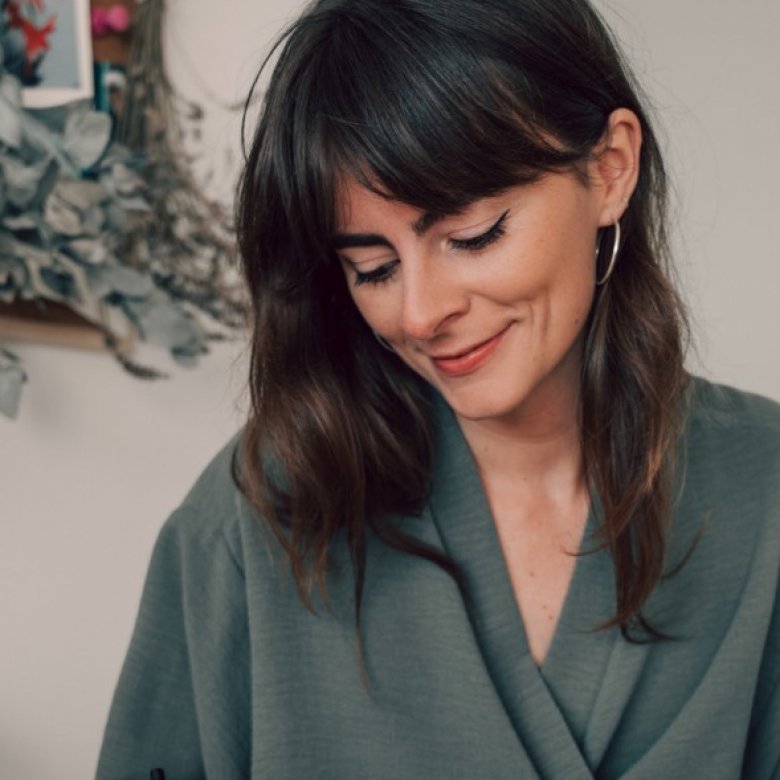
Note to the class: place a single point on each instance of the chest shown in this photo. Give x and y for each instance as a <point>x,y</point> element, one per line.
<point>540,558</point>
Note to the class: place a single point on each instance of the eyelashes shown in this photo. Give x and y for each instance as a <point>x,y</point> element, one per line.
<point>483,240</point>
<point>377,276</point>
<point>475,244</point>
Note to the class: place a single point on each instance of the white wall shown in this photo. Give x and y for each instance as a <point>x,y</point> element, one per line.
<point>712,70</point>
<point>97,459</point>
<point>89,471</point>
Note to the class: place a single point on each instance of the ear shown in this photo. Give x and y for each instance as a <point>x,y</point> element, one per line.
<point>614,169</point>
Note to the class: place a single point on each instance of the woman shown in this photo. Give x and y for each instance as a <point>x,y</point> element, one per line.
<point>523,541</point>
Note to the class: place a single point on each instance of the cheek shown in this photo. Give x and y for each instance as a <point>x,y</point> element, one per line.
<point>557,285</point>
<point>552,268</point>
<point>571,298</point>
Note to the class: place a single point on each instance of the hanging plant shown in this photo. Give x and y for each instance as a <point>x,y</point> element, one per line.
<point>189,244</point>
<point>114,230</point>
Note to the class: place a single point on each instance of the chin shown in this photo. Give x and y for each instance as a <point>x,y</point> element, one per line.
<point>482,403</point>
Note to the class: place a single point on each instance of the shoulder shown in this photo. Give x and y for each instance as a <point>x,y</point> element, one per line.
<point>724,406</point>
<point>726,422</point>
<point>730,467</point>
<point>214,513</point>
<point>214,493</point>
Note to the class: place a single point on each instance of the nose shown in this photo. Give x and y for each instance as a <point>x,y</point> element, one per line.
<point>431,299</point>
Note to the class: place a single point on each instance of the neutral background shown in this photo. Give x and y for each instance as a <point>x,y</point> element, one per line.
<point>97,459</point>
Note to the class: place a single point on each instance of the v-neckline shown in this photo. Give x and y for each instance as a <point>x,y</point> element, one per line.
<point>548,708</point>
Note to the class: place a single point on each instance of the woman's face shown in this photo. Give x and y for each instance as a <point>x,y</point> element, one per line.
<point>487,305</point>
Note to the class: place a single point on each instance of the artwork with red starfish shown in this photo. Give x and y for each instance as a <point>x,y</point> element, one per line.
<point>23,16</point>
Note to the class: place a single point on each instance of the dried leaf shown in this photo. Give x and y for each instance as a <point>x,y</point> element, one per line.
<point>135,204</point>
<point>62,217</point>
<point>6,245</point>
<point>82,194</point>
<point>14,55</point>
<point>117,218</point>
<point>89,250</point>
<point>126,182</point>
<point>10,111</point>
<point>79,298</point>
<point>13,276</point>
<point>188,356</point>
<point>7,265</point>
<point>137,370</point>
<point>12,377</point>
<point>104,280</point>
<point>87,134</point>
<point>45,185</point>
<point>164,324</point>
<point>26,183</point>
<point>46,142</point>
<point>59,282</point>
<point>94,221</point>
<point>53,276</point>
<point>22,222</point>
<point>183,228</point>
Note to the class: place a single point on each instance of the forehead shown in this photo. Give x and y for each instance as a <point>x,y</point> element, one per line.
<point>357,205</point>
<point>355,202</point>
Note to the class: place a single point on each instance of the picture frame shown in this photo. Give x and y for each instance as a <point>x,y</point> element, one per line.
<point>56,50</point>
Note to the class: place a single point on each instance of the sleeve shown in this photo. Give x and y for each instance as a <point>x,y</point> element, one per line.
<point>183,700</point>
<point>762,756</point>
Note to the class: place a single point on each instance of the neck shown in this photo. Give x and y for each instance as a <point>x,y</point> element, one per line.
<point>534,451</point>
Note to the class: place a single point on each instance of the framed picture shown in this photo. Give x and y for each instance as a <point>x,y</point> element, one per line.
<point>52,49</point>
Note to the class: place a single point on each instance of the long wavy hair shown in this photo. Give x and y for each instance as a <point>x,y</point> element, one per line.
<point>437,103</point>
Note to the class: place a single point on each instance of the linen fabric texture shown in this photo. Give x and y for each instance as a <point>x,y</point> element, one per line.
<point>228,676</point>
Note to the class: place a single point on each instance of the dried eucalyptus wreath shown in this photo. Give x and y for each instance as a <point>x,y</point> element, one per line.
<point>106,219</point>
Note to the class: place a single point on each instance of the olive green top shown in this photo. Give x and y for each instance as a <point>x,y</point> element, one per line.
<point>228,676</point>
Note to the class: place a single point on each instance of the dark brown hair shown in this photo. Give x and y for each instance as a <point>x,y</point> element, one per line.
<point>438,103</point>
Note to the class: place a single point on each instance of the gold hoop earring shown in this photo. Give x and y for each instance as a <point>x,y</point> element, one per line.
<point>615,249</point>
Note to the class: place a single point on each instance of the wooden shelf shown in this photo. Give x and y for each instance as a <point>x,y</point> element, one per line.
<point>57,325</point>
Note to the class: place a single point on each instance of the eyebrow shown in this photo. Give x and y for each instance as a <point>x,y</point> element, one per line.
<point>420,227</point>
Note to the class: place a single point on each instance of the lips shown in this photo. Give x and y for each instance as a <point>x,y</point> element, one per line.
<point>469,361</point>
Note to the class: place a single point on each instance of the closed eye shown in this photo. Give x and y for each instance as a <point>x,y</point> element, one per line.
<point>386,271</point>
<point>377,275</point>
<point>483,240</point>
